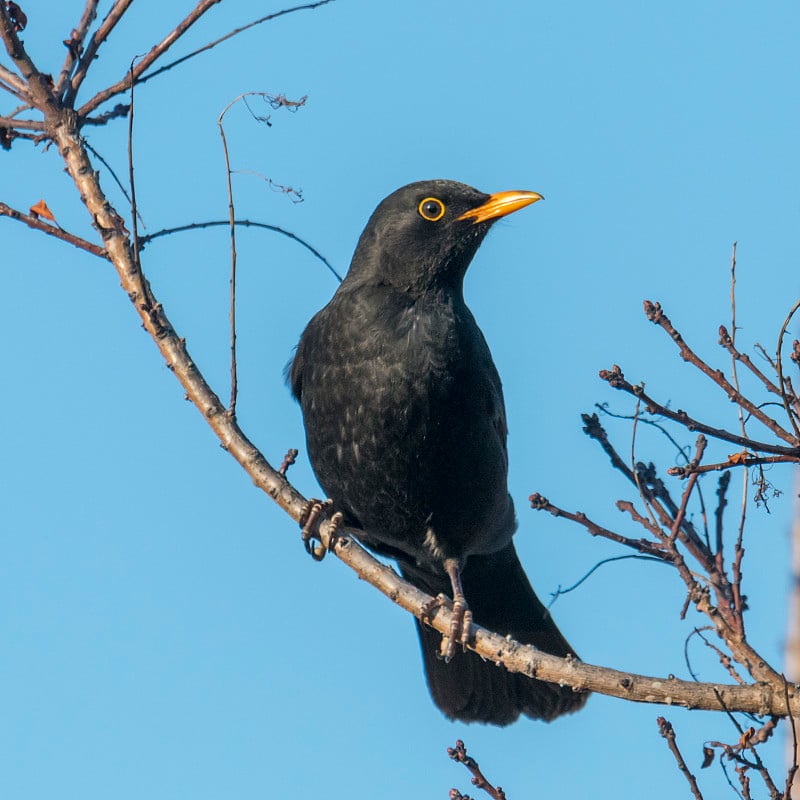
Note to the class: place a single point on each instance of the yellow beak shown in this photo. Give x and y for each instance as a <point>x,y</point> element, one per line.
<point>500,204</point>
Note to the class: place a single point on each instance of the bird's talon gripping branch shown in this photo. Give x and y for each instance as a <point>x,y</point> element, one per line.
<point>461,622</point>
<point>310,518</point>
<point>433,605</point>
<point>460,625</point>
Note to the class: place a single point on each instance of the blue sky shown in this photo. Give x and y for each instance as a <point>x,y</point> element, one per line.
<point>163,633</point>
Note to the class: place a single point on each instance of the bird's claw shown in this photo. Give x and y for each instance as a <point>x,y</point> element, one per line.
<point>432,605</point>
<point>460,631</point>
<point>312,514</point>
<point>460,624</point>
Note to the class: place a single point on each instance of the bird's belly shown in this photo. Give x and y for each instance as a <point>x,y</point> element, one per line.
<point>414,457</point>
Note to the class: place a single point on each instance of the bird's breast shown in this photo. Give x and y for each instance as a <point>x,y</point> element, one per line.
<point>401,403</point>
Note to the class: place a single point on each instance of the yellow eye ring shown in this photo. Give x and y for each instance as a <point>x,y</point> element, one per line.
<point>431,209</point>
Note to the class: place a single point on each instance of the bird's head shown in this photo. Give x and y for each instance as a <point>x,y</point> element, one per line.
<point>425,234</point>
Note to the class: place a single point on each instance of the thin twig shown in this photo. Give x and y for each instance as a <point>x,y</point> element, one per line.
<point>734,461</point>
<point>724,659</point>
<point>645,498</point>
<point>309,7</point>
<point>540,503</point>
<point>74,44</point>
<point>658,496</point>
<point>16,85</point>
<point>726,341</point>
<point>690,484</point>
<point>459,753</point>
<point>787,792</point>
<point>722,501</point>
<point>616,379</point>
<point>158,50</point>
<point>52,230</point>
<point>90,53</point>
<point>246,223</point>
<point>668,732</point>
<point>132,183</point>
<point>779,366</point>
<point>656,315</point>
<point>22,124</point>
<point>119,183</point>
<point>559,591</point>
<point>603,408</point>
<point>232,226</point>
<point>119,110</point>
<point>288,460</point>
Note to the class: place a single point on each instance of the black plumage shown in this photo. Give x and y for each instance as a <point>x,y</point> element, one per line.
<point>406,432</point>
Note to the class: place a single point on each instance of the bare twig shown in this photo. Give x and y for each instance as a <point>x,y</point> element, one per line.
<point>603,408</point>
<point>559,591</point>
<point>245,223</point>
<point>234,32</point>
<point>119,110</point>
<point>22,124</point>
<point>690,484</point>
<point>158,50</point>
<point>616,380</point>
<point>12,83</point>
<point>119,183</point>
<point>232,233</point>
<point>459,753</point>
<point>653,549</point>
<point>147,60</point>
<point>734,461</point>
<point>643,477</point>
<point>52,230</point>
<point>90,53</point>
<point>790,412</point>
<point>74,44</point>
<point>790,775</point>
<point>131,181</point>
<point>726,340</point>
<point>724,659</point>
<point>722,501</point>
<point>668,732</point>
<point>657,316</point>
<point>288,460</point>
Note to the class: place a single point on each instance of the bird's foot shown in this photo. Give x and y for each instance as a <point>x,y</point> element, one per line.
<point>460,631</point>
<point>460,625</point>
<point>461,621</point>
<point>310,518</point>
<point>432,605</point>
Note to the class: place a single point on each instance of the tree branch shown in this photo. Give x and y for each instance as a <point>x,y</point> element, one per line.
<point>74,44</point>
<point>656,315</point>
<point>616,379</point>
<point>147,60</point>
<point>52,230</point>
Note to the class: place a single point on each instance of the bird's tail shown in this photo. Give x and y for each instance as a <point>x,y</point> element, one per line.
<point>501,599</point>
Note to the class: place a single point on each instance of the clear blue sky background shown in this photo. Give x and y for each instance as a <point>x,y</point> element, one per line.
<point>162,633</point>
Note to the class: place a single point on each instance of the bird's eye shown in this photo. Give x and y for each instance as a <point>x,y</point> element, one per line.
<point>431,209</point>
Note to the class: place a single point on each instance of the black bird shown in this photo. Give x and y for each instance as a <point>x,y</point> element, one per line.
<point>406,432</point>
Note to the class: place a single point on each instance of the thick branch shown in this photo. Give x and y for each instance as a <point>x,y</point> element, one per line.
<point>37,86</point>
